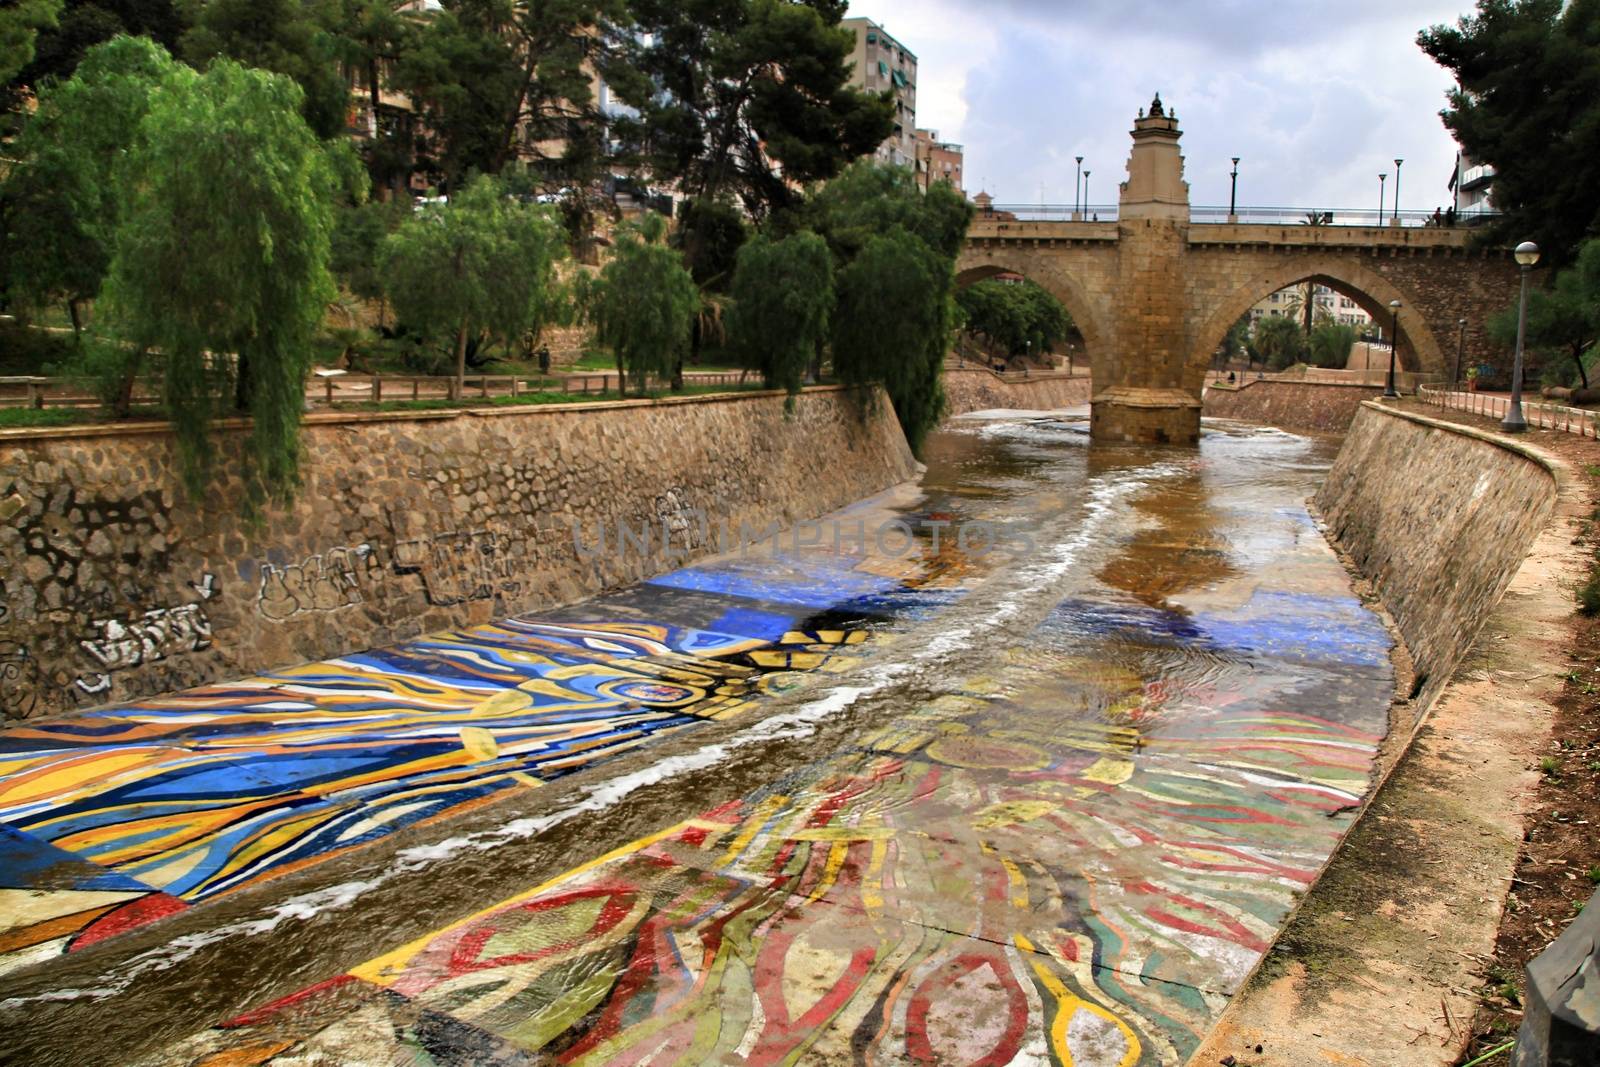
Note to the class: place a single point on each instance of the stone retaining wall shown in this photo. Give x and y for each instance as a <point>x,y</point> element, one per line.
<point>1440,517</point>
<point>1304,406</point>
<point>114,586</point>
<point>981,390</point>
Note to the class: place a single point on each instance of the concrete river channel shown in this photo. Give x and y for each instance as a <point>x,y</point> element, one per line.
<point>1025,763</point>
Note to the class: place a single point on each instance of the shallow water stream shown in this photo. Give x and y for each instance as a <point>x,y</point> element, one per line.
<point>1026,764</point>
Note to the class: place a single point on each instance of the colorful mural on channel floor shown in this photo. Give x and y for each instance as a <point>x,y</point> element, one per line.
<point>166,802</point>
<point>1072,852</point>
<point>1059,861</point>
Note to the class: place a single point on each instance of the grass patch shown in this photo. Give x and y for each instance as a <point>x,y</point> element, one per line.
<point>1588,594</point>
<point>13,418</point>
<point>712,361</point>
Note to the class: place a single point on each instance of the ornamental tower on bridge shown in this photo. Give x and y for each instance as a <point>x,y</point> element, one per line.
<point>1142,392</point>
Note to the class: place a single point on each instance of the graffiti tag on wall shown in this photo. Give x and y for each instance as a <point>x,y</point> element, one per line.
<point>155,635</point>
<point>114,644</point>
<point>118,644</point>
<point>326,582</point>
<point>453,568</point>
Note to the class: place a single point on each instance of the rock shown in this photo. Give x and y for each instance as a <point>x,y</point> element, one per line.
<point>1561,1024</point>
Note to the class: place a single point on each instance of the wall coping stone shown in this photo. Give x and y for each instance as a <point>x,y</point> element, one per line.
<point>1558,469</point>
<point>1239,387</point>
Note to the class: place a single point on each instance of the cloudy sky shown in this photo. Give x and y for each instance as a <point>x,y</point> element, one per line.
<point>1316,98</point>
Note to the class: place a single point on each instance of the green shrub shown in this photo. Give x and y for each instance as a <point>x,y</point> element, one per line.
<point>1589,592</point>
<point>25,350</point>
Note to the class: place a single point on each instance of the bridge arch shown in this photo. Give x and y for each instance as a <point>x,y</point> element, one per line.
<point>1057,283</point>
<point>1418,348</point>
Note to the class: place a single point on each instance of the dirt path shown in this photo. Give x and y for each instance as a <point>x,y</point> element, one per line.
<point>1558,866</point>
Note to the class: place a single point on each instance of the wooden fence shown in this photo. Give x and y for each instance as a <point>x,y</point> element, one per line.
<point>342,389</point>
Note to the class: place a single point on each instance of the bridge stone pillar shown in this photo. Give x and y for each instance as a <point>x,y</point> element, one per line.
<point>1143,388</point>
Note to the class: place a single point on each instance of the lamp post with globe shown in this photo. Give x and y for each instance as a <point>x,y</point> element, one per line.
<point>1527,254</point>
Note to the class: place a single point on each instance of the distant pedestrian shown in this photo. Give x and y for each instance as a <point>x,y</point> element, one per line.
<point>1438,217</point>
<point>1450,217</point>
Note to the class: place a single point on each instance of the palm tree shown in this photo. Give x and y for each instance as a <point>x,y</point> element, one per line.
<point>1278,341</point>
<point>1303,305</point>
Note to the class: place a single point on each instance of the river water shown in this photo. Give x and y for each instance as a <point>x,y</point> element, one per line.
<point>1025,764</point>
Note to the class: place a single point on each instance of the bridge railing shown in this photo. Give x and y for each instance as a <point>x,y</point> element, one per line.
<point>1539,413</point>
<point>1279,216</point>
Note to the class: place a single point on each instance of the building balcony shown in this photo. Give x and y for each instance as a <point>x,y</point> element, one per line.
<point>1476,178</point>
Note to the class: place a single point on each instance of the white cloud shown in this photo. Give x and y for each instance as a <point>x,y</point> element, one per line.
<point>1316,99</point>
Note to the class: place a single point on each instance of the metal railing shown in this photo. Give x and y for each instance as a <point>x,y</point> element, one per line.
<point>1278,216</point>
<point>1538,413</point>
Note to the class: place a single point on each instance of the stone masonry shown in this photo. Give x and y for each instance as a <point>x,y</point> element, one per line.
<point>1440,517</point>
<point>113,585</point>
<point>976,389</point>
<point>1303,406</point>
<point>1154,295</point>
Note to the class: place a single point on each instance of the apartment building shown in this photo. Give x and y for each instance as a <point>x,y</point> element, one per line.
<point>1472,186</point>
<point>1329,306</point>
<point>938,161</point>
<point>880,63</point>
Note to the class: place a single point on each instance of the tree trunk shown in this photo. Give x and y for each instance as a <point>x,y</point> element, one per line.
<point>242,388</point>
<point>77,319</point>
<point>123,404</point>
<point>1577,357</point>
<point>622,378</point>
<point>1311,305</point>
<point>400,180</point>
<point>694,356</point>
<point>458,387</point>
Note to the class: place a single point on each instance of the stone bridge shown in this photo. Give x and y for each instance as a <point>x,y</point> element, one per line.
<point>1154,294</point>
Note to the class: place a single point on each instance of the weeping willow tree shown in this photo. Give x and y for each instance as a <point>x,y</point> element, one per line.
<point>643,304</point>
<point>58,204</point>
<point>220,270</point>
<point>782,297</point>
<point>898,280</point>
<point>896,250</point>
<point>480,267</point>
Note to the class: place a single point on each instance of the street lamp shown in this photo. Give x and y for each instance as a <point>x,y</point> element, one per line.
<point>1397,190</point>
<point>1461,349</point>
<point>1085,192</point>
<point>1077,190</point>
<point>1383,177</point>
<point>1394,349</point>
<point>1233,197</point>
<point>1527,254</point>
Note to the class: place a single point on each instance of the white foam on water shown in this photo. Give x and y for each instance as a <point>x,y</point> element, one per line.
<point>179,949</point>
